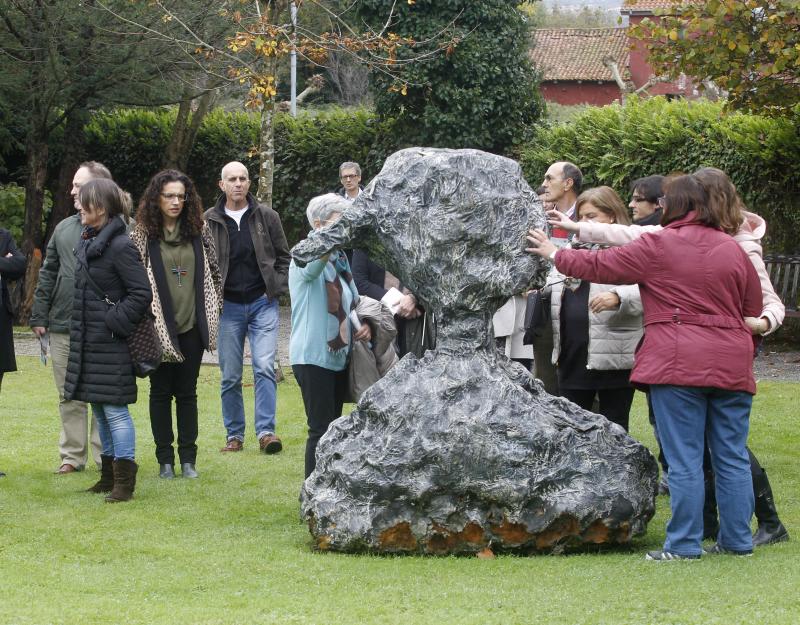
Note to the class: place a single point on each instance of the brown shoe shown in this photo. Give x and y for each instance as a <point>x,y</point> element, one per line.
<point>66,468</point>
<point>270,444</point>
<point>233,444</point>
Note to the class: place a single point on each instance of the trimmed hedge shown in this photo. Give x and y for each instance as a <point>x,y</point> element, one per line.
<point>308,151</point>
<point>614,145</point>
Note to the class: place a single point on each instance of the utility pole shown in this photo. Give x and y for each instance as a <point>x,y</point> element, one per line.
<point>293,63</point>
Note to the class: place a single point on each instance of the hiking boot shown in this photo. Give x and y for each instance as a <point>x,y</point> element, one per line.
<point>270,444</point>
<point>233,444</point>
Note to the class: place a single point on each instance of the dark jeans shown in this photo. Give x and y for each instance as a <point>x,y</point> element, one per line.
<point>615,403</point>
<point>178,380</point>
<point>323,393</point>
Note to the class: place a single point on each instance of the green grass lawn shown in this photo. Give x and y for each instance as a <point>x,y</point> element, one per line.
<point>230,548</point>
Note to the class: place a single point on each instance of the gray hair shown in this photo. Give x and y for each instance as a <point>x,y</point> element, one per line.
<point>350,165</point>
<point>322,207</point>
<point>96,170</point>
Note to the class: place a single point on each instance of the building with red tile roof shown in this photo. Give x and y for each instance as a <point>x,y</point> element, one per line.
<point>572,62</point>
<point>575,61</point>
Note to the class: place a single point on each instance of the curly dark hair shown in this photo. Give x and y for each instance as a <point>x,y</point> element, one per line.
<point>149,212</point>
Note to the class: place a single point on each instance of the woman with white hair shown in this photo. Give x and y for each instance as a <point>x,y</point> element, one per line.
<point>323,294</point>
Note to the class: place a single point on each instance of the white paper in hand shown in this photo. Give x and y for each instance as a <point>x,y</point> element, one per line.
<point>392,300</point>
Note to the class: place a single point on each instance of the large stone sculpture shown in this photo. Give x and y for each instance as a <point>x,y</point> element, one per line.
<point>463,450</point>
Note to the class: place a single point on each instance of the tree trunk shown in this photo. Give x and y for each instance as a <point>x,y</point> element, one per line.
<point>187,124</point>
<point>36,153</point>
<point>74,153</point>
<point>266,153</point>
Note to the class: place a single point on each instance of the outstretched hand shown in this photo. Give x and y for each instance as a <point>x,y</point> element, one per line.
<point>540,244</point>
<point>560,220</point>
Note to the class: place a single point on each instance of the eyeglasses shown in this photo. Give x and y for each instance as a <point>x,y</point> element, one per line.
<point>173,196</point>
<point>638,198</point>
<point>348,176</point>
<point>662,202</point>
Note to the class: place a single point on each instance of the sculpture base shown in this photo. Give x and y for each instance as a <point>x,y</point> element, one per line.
<point>452,454</point>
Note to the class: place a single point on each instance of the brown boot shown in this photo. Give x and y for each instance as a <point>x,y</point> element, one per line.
<point>124,480</point>
<point>106,481</point>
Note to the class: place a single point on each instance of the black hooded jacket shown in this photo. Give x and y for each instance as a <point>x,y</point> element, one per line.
<point>99,368</point>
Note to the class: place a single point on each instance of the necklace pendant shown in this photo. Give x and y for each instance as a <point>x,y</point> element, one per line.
<point>179,272</point>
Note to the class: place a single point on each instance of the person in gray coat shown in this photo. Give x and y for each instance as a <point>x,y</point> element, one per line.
<point>596,327</point>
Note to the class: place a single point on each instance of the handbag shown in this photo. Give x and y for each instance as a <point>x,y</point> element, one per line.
<point>143,343</point>
<point>537,316</point>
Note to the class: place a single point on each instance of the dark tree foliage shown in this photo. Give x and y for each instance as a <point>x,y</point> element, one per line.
<point>481,93</point>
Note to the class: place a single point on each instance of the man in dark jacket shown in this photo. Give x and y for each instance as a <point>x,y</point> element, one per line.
<point>51,314</point>
<point>254,263</point>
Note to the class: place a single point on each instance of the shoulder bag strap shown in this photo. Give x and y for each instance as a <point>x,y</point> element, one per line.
<point>103,296</point>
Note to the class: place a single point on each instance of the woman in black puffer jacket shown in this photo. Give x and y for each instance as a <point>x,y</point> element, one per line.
<point>99,369</point>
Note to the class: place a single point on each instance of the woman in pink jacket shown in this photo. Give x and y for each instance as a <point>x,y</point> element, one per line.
<point>747,229</point>
<point>697,287</point>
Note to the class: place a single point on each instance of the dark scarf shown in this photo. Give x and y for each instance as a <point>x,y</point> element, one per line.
<point>340,267</point>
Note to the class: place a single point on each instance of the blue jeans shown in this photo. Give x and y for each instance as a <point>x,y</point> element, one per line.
<point>257,320</point>
<point>117,435</point>
<point>684,415</point>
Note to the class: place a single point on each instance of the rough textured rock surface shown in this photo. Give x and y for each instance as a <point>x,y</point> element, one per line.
<point>462,449</point>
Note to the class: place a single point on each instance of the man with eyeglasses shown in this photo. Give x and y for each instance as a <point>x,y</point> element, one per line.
<point>350,177</point>
<point>254,263</point>
<point>50,320</point>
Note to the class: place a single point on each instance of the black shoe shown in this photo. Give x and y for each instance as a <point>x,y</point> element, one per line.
<point>768,536</point>
<point>716,549</point>
<point>166,471</point>
<point>665,556</point>
<point>2,474</point>
<point>188,470</point>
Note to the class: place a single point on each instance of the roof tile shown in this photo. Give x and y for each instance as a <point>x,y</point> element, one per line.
<point>578,53</point>
<point>649,6</point>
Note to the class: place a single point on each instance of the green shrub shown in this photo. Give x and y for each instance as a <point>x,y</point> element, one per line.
<point>481,93</point>
<point>12,209</point>
<point>131,143</point>
<point>614,145</point>
<point>308,151</point>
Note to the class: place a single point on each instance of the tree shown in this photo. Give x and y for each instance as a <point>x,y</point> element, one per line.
<point>554,16</point>
<point>264,34</point>
<point>482,93</point>
<point>60,62</point>
<point>748,48</point>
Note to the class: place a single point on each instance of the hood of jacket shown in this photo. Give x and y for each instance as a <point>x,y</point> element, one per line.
<point>753,228</point>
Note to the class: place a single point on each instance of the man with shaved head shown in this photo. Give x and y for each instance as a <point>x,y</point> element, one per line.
<point>254,264</point>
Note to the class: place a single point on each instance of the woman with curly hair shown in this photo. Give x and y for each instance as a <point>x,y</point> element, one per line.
<point>181,263</point>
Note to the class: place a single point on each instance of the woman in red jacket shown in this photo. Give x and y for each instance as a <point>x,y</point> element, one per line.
<point>697,285</point>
